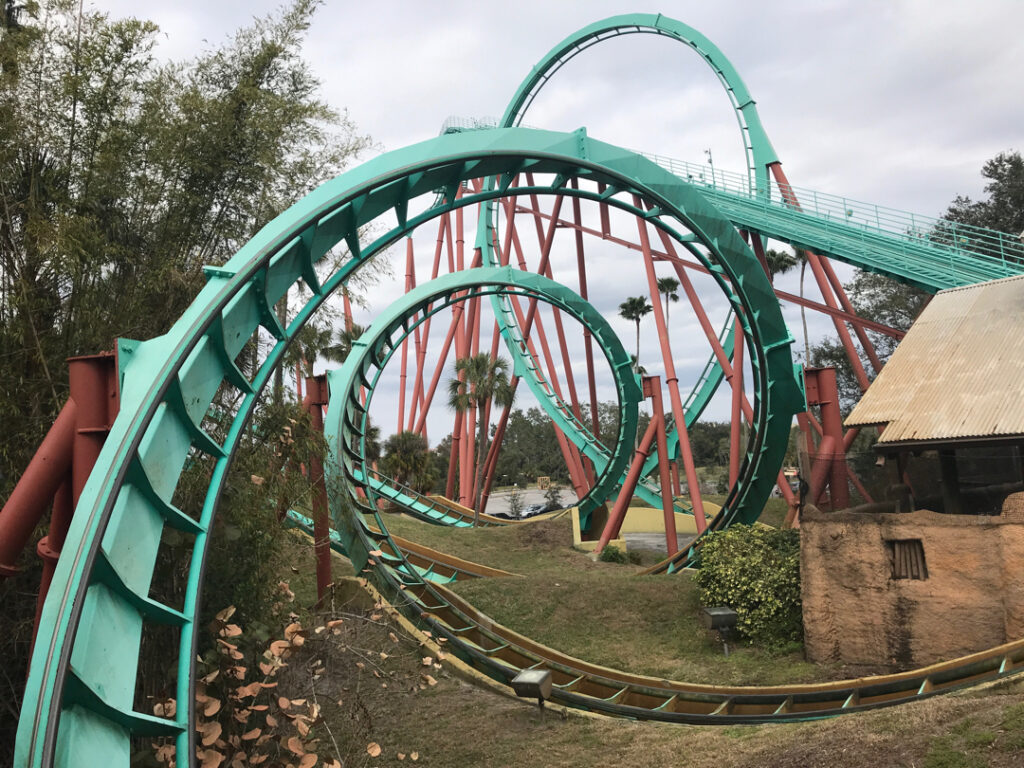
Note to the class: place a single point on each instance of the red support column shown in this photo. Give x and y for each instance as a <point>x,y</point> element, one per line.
<point>316,399</point>
<point>737,402</point>
<point>410,283</point>
<point>618,513</point>
<point>820,384</point>
<point>652,389</point>
<point>672,381</point>
<point>94,397</point>
<point>26,505</point>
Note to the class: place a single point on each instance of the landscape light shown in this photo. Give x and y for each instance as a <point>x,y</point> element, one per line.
<point>722,619</point>
<point>533,684</point>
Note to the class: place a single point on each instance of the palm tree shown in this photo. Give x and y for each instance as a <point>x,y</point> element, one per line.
<point>640,370</point>
<point>339,350</point>
<point>779,262</point>
<point>667,287</point>
<point>407,460</point>
<point>480,380</point>
<point>634,308</point>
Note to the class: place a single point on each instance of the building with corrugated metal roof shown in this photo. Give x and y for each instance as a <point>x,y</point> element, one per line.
<point>955,385</point>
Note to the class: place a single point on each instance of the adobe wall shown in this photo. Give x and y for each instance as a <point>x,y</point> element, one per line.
<point>856,613</point>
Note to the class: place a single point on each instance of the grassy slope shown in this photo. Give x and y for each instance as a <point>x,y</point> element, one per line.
<point>602,612</point>
<point>455,724</point>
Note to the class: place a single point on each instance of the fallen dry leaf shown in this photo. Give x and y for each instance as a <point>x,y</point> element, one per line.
<point>279,647</point>
<point>295,745</point>
<point>211,732</point>
<point>226,614</point>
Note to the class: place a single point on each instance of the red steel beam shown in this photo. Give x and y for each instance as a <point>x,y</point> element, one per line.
<point>822,391</point>
<point>316,399</point>
<point>737,403</point>
<point>588,347</point>
<point>618,513</point>
<point>652,388</point>
<point>410,283</point>
<point>672,381</point>
<point>26,505</point>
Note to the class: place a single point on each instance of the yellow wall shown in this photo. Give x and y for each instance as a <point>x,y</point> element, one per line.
<point>641,520</point>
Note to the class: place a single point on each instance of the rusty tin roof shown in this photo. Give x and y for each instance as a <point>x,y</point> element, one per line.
<point>958,373</point>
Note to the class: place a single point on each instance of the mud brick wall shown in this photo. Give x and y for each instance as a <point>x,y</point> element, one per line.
<point>856,613</point>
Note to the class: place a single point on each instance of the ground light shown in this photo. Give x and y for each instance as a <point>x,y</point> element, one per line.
<point>722,619</point>
<point>533,684</point>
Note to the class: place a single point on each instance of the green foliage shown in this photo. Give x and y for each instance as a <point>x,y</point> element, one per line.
<point>1003,209</point>
<point>634,308</point>
<point>480,380</point>
<point>612,554</point>
<point>515,502</point>
<point>755,570</point>
<point>553,495</point>
<point>780,262</point>
<point>120,177</point>
<point>528,450</point>
<point>407,460</point>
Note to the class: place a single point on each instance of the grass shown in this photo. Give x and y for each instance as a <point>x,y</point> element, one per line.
<point>584,608</point>
<point>454,724</point>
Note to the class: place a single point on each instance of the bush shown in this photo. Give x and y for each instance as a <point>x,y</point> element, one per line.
<point>612,554</point>
<point>756,572</point>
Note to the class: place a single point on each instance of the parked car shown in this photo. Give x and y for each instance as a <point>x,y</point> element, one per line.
<point>536,509</point>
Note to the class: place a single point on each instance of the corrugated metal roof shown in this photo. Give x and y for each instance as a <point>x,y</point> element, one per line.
<point>958,373</point>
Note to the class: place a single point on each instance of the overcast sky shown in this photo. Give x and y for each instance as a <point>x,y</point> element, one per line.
<point>897,103</point>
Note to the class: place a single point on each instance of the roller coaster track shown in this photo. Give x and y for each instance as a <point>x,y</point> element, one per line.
<point>80,703</point>
<point>430,509</point>
<point>80,706</point>
<point>929,254</point>
<point>502,653</point>
<point>427,564</point>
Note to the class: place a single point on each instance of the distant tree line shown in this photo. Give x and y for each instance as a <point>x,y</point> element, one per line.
<point>530,449</point>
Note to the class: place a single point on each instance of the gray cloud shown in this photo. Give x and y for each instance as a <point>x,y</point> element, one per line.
<point>898,103</point>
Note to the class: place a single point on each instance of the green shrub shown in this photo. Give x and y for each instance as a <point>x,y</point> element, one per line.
<point>756,572</point>
<point>612,554</point>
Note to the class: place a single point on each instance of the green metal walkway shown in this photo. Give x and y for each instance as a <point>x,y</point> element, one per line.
<point>928,253</point>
